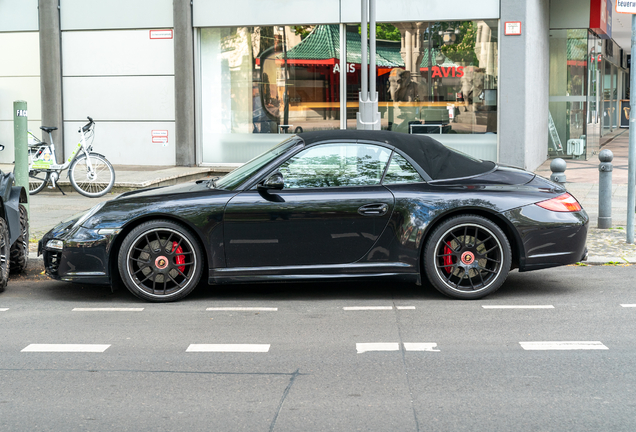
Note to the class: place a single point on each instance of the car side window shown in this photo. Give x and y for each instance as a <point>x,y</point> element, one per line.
<point>401,171</point>
<point>332,165</point>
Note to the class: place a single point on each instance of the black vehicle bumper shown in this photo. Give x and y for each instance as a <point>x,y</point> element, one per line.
<point>548,238</point>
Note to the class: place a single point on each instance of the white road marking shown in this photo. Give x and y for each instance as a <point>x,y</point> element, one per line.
<point>628,305</point>
<point>427,346</point>
<point>4,309</point>
<point>259,348</point>
<point>542,346</point>
<point>65,348</point>
<point>405,307</point>
<point>370,308</point>
<point>249,309</point>
<point>378,346</point>
<point>107,309</point>
<point>518,307</point>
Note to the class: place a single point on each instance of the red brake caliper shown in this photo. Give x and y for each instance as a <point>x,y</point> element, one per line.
<point>448,258</point>
<point>179,258</point>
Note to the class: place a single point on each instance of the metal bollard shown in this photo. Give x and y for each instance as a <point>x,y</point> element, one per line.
<point>20,128</point>
<point>558,166</point>
<point>605,169</point>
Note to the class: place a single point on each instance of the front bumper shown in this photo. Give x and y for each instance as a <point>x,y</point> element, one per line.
<point>83,258</point>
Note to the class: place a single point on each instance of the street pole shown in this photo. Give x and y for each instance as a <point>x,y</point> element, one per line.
<point>368,117</point>
<point>631,161</point>
<point>20,145</point>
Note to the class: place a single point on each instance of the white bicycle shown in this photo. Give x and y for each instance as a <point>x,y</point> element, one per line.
<point>91,174</point>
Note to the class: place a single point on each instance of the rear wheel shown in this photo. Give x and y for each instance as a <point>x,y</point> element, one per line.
<point>467,257</point>
<point>160,261</point>
<point>20,248</point>
<point>4,254</point>
<point>37,181</point>
<point>92,183</point>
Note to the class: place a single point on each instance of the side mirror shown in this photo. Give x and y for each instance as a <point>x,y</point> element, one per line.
<point>1,147</point>
<point>274,181</point>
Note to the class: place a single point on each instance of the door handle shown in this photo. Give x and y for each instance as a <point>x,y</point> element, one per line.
<point>377,209</point>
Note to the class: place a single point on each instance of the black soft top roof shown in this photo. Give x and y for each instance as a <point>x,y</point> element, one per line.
<point>437,160</point>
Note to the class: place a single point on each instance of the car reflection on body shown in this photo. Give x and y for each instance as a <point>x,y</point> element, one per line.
<point>328,205</point>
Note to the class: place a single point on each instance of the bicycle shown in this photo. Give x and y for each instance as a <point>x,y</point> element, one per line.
<point>90,173</point>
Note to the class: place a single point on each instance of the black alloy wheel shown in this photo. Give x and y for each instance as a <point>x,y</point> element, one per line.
<point>160,261</point>
<point>467,257</point>
<point>4,254</point>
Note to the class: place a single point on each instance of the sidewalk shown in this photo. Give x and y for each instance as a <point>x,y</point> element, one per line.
<point>605,246</point>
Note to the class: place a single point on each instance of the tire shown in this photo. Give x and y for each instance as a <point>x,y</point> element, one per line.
<point>94,184</point>
<point>19,251</point>
<point>160,261</point>
<point>467,257</point>
<point>37,181</point>
<point>4,254</point>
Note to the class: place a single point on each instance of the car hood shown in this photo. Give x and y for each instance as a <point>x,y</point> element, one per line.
<point>196,186</point>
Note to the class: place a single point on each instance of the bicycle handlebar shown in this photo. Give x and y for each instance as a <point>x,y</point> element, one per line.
<point>88,125</point>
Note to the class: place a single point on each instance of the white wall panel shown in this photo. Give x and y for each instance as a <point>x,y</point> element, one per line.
<point>423,10</point>
<point>145,98</point>
<point>20,88</point>
<point>211,13</point>
<point>19,15</point>
<point>20,54</point>
<point>115,14</point>
<point>126,143</point>
<point>570,14</point>
<point>7,138</point>
<point>119,52</point>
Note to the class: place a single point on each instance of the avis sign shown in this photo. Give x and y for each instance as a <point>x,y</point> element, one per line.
<point>626,6</point>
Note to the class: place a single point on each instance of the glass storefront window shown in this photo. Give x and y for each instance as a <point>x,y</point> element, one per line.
<point>260,82</point>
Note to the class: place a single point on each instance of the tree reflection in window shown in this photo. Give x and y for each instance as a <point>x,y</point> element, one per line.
<point>401,171</point>
<point>332,165</point>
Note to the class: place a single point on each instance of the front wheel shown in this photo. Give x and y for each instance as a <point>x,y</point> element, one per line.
<point>160,261</point>
<point>37,181</point>
<point>467,257</point>
<point>95,182</point>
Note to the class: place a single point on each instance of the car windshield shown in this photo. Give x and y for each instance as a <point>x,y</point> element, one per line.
<point>246,171</point>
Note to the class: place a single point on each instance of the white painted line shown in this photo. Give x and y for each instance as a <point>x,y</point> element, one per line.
<point>259,348</point>
<point>427,346</point>
<point>518,307</point>
<point>249,309</point>
<point>65,348</point>
<point>405,307</point>
<point>367,308</point>
<point>542,346</point>
<point>628,305</point>
<point>378,346</point>
<point>107,309</point>
<point>4,309</point>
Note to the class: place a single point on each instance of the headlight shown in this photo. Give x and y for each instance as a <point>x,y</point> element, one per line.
<point>55,244</point>
<point>88,214</point>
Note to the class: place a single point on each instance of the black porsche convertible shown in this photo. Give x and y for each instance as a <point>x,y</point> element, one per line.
<point>328,205</point>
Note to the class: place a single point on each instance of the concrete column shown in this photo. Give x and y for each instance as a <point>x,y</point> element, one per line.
<point>184,83</point>
<point>51,72</point>
<point>523,84</point>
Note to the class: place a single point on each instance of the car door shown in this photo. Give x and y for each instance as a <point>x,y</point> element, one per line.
<point>331,210</point>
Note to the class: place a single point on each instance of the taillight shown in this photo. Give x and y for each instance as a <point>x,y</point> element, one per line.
<point>562,203</point>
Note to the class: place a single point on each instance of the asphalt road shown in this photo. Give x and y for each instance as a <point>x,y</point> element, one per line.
<point>420,362</point>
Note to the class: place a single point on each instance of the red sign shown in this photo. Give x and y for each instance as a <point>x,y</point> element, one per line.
<point>598,17</point>
<point>512,28</point>
<point>445,72</point>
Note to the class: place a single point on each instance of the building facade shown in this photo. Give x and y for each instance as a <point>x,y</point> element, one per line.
<point>206,82</point>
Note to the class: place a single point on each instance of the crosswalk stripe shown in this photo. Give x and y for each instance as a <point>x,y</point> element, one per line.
<point>249,309</point>
<point>65,348</point>
<point>426,346</point>
<point>257,348</point>
<point>377,346</point>
<point>4,309</point>
<point>373,308</point>
<point>562,345</point>
<point>628,305</point>
<point>517,307</point>
<point>107,309</point>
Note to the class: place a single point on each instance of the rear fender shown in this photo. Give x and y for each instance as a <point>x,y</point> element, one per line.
<point>12,197</point>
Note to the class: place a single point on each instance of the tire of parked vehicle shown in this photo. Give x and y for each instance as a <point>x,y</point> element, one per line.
<point>467,257</point>
<point>19,251</point>
<point>94,184</point>
<point>160,261</point>
<point>37,181</point>
<point>4,254</point>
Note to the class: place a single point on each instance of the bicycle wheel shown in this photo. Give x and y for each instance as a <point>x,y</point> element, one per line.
<point>96,182</point>
<point>37,181</point>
